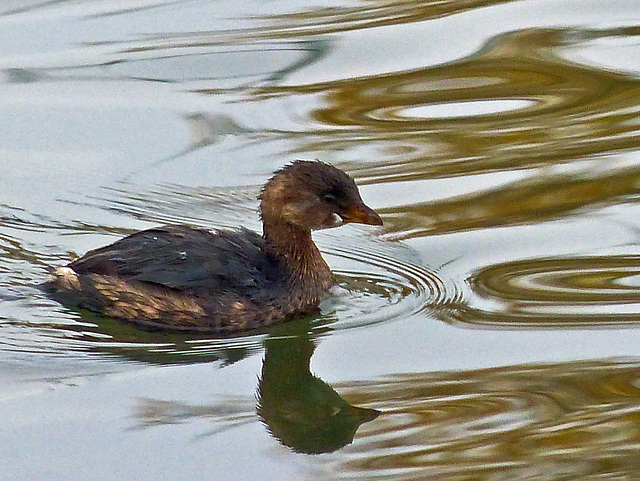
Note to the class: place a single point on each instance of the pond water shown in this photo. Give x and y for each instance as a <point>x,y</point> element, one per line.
<point>491,327</point>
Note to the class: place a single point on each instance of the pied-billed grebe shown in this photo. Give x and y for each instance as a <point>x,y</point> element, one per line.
<point>180,277</point>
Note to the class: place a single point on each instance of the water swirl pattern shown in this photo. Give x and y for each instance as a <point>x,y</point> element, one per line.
<point>535,422</point>
<point>579,292</point>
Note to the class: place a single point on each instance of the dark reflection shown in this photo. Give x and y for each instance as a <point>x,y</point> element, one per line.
<point>204,62</point>
<point>549,422</point>
<point>13,8</point>
<point>21,75</point>
<point>580,292</point>
<point>120,339</point>
<point>93,334</point>
<point>299,409</point>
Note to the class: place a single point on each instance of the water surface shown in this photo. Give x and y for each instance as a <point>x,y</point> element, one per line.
<point>489,330</point>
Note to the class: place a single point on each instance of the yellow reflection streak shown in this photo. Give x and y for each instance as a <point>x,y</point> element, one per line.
<point>566,421</point>
<point>580,292</point>
<point>570,112</point>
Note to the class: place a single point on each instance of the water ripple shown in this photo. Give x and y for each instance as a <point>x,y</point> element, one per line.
<point>555,292</point>
<point>384,285</point>
<point>566,421</point>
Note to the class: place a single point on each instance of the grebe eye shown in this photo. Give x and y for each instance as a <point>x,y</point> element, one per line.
<point>330,198</point>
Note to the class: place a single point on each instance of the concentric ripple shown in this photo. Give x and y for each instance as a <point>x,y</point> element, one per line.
<point>554,292</point>
<point>383,284</point>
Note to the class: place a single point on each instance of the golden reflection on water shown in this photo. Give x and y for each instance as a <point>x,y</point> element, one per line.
<point>552,422</point>
<point>543,197</point>
<point>554,292</point>
<point>370,14</point>
<point>517,105</point>
<point>344,18</point>
<point>568,112</point>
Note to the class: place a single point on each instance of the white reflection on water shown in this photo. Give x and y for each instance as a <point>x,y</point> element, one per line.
<point>465,109</point>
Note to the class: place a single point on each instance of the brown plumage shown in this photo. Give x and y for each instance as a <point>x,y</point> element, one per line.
<point>180,277</point>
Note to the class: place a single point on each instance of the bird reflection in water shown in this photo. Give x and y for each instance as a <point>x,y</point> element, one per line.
<point>300,410</point>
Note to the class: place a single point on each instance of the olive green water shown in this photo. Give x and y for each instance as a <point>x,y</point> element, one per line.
<point>489,331</point>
